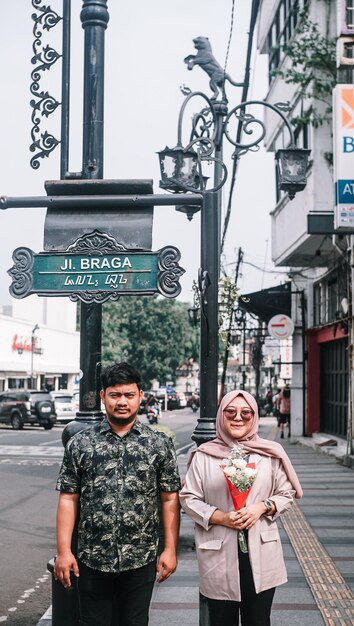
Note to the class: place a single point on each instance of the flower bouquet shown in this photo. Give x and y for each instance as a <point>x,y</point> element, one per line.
<point>240,477</point>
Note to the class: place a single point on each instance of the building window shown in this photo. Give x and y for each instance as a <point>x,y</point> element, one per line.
<point>282,30</point>
<point>16,383</point>
<point>328,295</point>
<point>349,14</point>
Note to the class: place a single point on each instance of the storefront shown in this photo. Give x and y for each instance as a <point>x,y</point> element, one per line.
<point>37,356</point>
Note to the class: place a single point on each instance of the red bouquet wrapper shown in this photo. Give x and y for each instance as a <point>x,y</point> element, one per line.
<point>239,497</point>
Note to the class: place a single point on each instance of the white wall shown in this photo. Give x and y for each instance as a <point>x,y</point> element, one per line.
<point>60,348</point>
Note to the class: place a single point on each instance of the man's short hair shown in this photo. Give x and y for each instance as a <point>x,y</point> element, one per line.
<point>120,374</point>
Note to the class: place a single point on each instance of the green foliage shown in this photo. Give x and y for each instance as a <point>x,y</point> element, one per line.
<point>313,69</point>
<point>167,431</point>
<point>153,334</point>
<point>228,294</point>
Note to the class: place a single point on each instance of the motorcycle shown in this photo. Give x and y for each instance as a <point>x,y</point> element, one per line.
<point>153,414</point>
<point>195,404</point>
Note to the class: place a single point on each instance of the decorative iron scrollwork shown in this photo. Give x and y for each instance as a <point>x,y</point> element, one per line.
<point>96,243</point>
<point>96,297</point>
<point>169,272</point>
<point>43,104</point>
<point>21,272</point>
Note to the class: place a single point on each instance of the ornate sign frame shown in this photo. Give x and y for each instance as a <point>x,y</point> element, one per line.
<point>157,272</point>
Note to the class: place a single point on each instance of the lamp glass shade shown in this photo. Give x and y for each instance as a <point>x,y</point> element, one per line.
<point>194,315</point>
<point>178,168</point>
<point>292,168</point>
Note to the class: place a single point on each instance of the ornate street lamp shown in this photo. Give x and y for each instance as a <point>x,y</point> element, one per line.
<point>208,128</point>
<point>194,316</point>
<point>179,169</point>
<point>292,164</point>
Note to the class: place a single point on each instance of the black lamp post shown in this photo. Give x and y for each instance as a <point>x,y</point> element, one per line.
<point>179,167</point>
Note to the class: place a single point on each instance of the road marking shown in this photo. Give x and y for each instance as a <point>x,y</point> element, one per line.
<point>50,443</point>
<point>186,447</point>
<point>31,451</point>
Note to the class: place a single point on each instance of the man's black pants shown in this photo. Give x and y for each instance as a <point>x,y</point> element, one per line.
<point>254,608</point>
<point>121,599</point>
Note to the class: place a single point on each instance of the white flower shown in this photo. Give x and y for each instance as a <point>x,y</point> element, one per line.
<point>250,472</point>
<point>239,463</point>
<point>230,470</point>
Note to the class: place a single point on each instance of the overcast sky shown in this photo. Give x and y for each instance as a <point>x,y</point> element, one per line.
<point>146,43</point>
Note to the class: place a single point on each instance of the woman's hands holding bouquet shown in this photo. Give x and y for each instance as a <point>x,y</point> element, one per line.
<point>239,520</point>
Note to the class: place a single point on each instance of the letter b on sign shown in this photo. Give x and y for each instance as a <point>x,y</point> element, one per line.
<point>348,144</point>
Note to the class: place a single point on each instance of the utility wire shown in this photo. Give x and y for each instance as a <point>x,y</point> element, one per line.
<point>228,335</point>
<point>246,81</point>
<point>230,35</point>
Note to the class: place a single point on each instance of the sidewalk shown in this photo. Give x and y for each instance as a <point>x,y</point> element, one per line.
<point>318,542</point>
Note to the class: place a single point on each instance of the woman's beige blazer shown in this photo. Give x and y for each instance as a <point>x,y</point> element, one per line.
<point>204,491</point>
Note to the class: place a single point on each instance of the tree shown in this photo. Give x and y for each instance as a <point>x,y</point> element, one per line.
<point>153,334</point>
<point>313,69</point>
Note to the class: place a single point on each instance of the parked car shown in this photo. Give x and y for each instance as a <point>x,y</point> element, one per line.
<point>181,399</point>
<point>19,407</point>
<point>65,407</point>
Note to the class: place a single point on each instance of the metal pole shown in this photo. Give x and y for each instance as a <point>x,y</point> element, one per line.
<point>32,346</point>
<point>94,17</point>
<point>209,278</point>
<point>65,91</point>
<point>244,355</point>
<point>303,340</point>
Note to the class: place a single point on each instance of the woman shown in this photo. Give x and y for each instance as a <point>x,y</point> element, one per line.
<point>284,410</point>
<point>231,581</point>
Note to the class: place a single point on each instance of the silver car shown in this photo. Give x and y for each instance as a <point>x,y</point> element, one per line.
<point>64,405</point>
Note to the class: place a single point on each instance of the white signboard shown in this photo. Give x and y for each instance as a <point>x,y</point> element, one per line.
<point>286,357</point>
<point>280,326</point>
<point>343,156</point>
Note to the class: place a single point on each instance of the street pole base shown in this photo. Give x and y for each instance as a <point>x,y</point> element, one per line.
<point>83,420</point>
<point>205,430</point>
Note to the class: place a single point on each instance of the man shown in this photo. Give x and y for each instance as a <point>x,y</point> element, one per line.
<point>115,473</point>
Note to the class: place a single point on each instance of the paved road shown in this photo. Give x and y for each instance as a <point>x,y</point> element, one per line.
<point>29,464</point>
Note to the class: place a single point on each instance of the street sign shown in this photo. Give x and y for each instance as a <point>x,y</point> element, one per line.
<point>280,326</point>
<point>343,156</point>
<point>95,269</point>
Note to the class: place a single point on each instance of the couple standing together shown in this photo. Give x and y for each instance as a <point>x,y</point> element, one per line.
<point>119,476</point>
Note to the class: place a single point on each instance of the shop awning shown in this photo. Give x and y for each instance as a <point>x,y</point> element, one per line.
<point>267,302</point>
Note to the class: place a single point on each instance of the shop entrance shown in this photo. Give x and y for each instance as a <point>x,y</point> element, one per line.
<point>334,387</point>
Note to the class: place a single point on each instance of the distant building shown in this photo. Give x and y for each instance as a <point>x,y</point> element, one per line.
<point>39,340</point>
<point>319,260</point>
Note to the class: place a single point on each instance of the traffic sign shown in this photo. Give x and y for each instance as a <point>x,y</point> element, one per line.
<point>280,326</point>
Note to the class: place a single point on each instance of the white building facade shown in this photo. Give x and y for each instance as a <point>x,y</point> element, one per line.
<point>318,260</point>
<point>40,346</point>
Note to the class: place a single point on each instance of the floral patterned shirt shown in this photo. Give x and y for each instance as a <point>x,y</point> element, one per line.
<point>119,480</point>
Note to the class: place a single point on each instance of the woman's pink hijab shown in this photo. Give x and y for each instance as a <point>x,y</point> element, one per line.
<point>220,446</point>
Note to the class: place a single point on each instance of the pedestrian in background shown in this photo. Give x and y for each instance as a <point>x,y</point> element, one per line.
<point>114,474</point>
<point>276,404</point>
<point>234,582</point>
<point>284,410</point>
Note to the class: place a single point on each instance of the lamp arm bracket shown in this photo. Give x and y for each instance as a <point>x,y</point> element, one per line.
<point>183,107</point>
<point>246,119</point>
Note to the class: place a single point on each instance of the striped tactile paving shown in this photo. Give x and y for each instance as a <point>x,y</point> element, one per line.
<point>333,597</point>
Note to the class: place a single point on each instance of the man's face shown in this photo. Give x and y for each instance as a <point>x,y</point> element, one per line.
<point>121,403</point>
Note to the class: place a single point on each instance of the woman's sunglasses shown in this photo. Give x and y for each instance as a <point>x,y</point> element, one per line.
<point>245,414</point>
